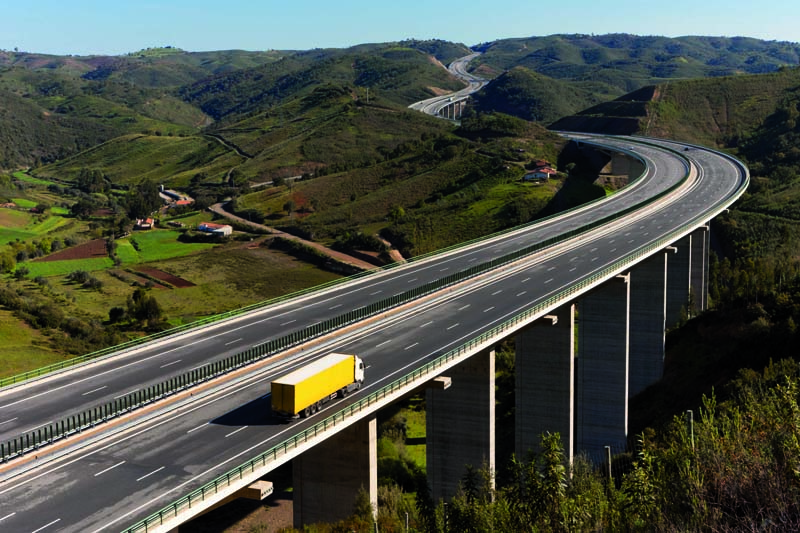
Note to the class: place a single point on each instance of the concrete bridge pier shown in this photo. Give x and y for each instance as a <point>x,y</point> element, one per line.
<point>545,379</point>
<point>460,424</point>
<point>679,276</point>
<point>602,371</point>
<point>699,274</point>
<point>327,478</point>
<point>648,314</point>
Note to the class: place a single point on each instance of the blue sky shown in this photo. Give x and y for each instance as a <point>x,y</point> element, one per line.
<point>119,26</point>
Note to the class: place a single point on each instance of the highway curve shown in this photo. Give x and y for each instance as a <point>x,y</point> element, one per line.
<point>111,485</point>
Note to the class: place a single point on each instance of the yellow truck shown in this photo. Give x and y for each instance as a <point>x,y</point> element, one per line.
<point>304,391</point>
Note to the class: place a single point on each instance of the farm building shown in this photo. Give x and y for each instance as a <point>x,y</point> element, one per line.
<point>143,223</point>
<point>539,174</point>
<point>216,229</point>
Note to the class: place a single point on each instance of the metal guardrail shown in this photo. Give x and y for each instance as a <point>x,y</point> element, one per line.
<point>421,374</point>
<point>73,424</point>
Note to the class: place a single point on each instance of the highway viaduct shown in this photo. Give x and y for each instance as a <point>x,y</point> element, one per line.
<point>626,280</point>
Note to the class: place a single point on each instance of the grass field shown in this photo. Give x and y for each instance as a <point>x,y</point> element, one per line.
<point>156,245</point>
<point>27,178</point>
<point>22,225</point>
<point>415,420</point>
<point>233,276</point>
<point>23,347</point>
<point>24,202</point>
<point>60,268</point>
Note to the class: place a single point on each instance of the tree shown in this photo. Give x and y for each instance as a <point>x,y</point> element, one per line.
<point>143,307</point>
<point>115,314</point>
<point>21,272</point>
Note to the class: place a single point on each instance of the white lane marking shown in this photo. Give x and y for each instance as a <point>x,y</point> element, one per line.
<point>374,293</point>
<point>289,322</point>
<point>464,307</point>
<point>495,293</point>
<point>593,250</point>
<point>127,393</point>
<point>170,364</point>
<point>198,427</point>
<point>335,306</point>
<point>488,309</point>
<point>524,280</point>
<point>573,269</point>
<point>445,268</point>
<point>428,323</point>
<point>595,258</point>
<point>233,342</point>
<point>381,344</point>
<point>237,431</point>
<point>413,280</point>
<point>551,269</point>
<point>7,421</point>
<point>573,259</point>
<point>521,293</point>
<point>151,473</point>
<point>548,281</point>
<point>411,346</point>
<point>95,390</point>
<point>611,241</point>
<point>453,326</point>
<point>630,241</point>
<point>109,468</point>
<point>8,516</point>
<point>46,526</point>
<point>473,259</point>
<point>613,250</point>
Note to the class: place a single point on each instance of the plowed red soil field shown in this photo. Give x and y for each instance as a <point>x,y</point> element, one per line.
<point>175,281</point>
<point>95,248</point>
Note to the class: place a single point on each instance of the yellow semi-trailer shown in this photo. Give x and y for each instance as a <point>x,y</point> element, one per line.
<point>304,391</point>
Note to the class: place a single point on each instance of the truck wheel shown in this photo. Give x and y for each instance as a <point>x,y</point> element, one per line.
<point>306,412</point>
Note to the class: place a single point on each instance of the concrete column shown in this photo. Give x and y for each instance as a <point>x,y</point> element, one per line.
<point>602,381</point>
<point>460,425</point>
<point>679,269</point>
<point>327,477</point>
<point>545,379</point>
<point>648,316</point>
<point>699,275</point>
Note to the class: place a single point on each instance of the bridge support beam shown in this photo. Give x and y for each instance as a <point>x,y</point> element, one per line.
<point>327,477</point>
<point>460,424</point>
<point>545,378</point>
<point>699,274</point>
<point>602,369</point>
<point>679,275</point>
<point>648,316</point>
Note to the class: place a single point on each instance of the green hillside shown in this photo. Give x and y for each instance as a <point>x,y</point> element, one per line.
<point>526,94</point>
<point>628,62</point>
<point>393,73</point>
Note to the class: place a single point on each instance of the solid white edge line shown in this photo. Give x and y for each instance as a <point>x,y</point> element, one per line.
<point>8,516</point>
